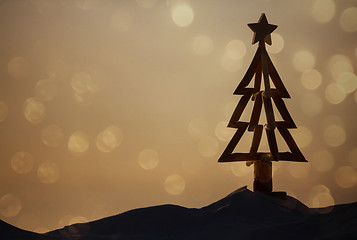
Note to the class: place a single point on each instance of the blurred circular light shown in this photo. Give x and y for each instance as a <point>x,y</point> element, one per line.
<point>22,162</point>
<point>311,104</point>
<point>235,49</point>
<point>298,170</point>
<point>334,135</point>
<point>277,43</point>
<point>148,159</point>
<point>78,143</point>
<point>207,146</point>
<point>146,3</point>
<point>311,79</point>
<point>109,139</point>
<point>182,15</point>
<point>202,45</point>
<point>34,110</point>
<point>348,19</point>
<point>346,177</point>
<point>52,135</point>
<point>121,21</point>
<point>175,184</point>
<point>347,82</point>
<point>48,172</point>
<point>338,64</point>
<point>323,10</point>
<point>321,199</point>
<point>334,93</point>
<point>45,90</point>
<point>17,68</point>
<point>240,169</point>
<point>322,161</point>
<point>198,128</point>
<point>302,136</point>
<point>224,133</point>
<point>303,60</point>
<point>10,205</point>
<point>3,111</point>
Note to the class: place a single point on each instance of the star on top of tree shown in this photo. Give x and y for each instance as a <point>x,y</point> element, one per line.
<point>262,30</point>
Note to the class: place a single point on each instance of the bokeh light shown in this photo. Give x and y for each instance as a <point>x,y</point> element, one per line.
<point>334,93</point>
<point>34,110</point>
<point>18,68</point>
<point>303,60</point>
<point>346,176</point>
<point>175,184</point>
<point>10,205</point>
<point>3,111</point>
<point>235,49</point>
<point>347,82</point>
<point>109,139</point>
<point>311,79</point>
<point>207,146</point>
<point>198,128</point>
<point>222,132</point>
<point>298,170</point>
<point>334,135</point>
<point>241,169</point>
<point>322,161</point>
<point>148,159</point>
<point>323,10</point>
<point>348,19</point>
<point>320,197</point>
<point>202,45</point>
<point>45,89</point>
<point>48,172</point>
<point>277,43</point>
<point>52,135</point>
<point>311,104</point>
<point>22,162</point>
<point>302,136</point>
<point>182,15</point>
<point>338,64</point>
<point>78,143</point>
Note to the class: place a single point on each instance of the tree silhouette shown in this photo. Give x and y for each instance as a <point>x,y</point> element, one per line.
<point>262,65</point>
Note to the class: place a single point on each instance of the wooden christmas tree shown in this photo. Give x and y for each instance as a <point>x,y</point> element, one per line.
<point>262,65</point>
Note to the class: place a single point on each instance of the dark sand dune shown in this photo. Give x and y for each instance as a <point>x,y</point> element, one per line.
<point>241,215</point>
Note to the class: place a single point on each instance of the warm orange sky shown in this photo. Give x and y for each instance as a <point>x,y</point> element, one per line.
<point>107,106</point>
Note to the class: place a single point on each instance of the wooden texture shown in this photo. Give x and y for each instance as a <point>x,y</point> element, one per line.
<point>290,142</point>
<point>264,57</point>
<point>249,74</point>
<point>272,143</point>
<point>269,113</point>
<point>242,157</point>
<point>262,30</point>
<point>234,141</point>
<point>283,93</point>
<point>257,108</point>
<point>280,105</point>
<point>257,136</point>
<point>263,175</point>
<point>258,78</point>
<point>239,110</point>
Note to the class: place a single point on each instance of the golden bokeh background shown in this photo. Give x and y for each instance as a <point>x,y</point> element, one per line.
<point>107,106</point>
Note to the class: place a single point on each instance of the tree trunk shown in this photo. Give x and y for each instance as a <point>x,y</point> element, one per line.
<point>262,176</point>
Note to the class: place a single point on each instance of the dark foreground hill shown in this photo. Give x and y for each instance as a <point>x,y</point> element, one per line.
<point>241,215</point>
